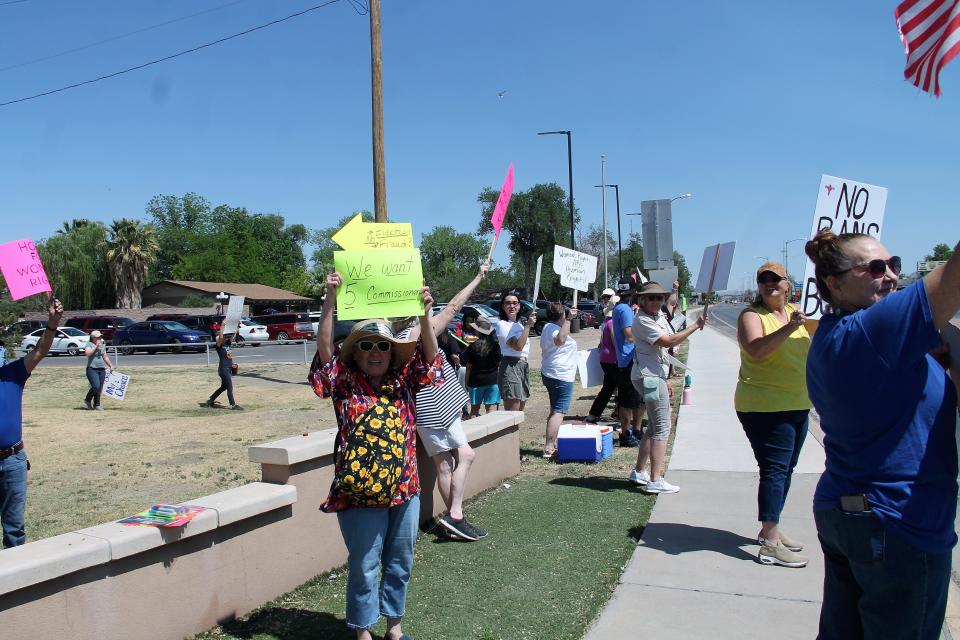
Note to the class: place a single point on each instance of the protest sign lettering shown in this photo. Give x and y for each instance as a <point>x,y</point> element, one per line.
<point>358,235</point>
<point>231,324</point>
<point>22,269</point>
<point>379,284</point>
<point>715,267</point>
<point>576,270</point>
<point>844,206</point>
<point>115,385</point>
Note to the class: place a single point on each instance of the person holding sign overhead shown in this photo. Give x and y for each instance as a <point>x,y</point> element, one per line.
<point>512,332</point>
<point>886,502</point>
<point>558,369</point>
<point>225,369</point>
<point>772,402</point>
<point>373,383</point>
<point>652,336</point>
<point>13,458</point>
<point>97,363</point>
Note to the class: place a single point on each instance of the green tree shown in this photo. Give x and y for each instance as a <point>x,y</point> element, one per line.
<point>632,256</point>
<point>942,251</point>
<point>450,259</point>
<point>591,243</point>
<point>536,219</point>
<point>131,248</point>
<point>75,262</point>
<point>178,220</point>
<point>683,274</point>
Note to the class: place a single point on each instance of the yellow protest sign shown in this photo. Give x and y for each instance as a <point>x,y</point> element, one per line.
<point>358,235</point>
<point>384,283</point>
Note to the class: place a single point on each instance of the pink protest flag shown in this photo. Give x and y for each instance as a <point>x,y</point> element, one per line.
<point>502,203</point>
<point>22,269</point>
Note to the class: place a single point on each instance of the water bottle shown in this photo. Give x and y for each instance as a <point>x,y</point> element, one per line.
<point>687,381</point>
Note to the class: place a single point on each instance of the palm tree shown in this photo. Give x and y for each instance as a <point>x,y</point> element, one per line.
<point>131,248</point>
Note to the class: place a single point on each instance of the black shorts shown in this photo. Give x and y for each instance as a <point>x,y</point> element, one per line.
<point>627,395</point>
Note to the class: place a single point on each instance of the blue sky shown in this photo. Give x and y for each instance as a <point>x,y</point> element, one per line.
<point>743,104</point>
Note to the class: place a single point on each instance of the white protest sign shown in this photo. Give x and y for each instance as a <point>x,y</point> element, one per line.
<point>115,385</point>
<point>715,267</point>
<point>844,206</point>
<point>576,270</point>
<point>589,368</point>
<point>231,324</point>
<point>665,277</point>
<point>536,281</point>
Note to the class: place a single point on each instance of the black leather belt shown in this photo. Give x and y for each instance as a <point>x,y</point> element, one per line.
<point>9,451</point>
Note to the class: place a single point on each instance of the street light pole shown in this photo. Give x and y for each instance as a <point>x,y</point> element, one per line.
<point>569,135</point>
<point>616,189</point>
<point>786,254</point>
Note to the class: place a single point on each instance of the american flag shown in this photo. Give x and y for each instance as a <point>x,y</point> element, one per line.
<point>930,30</point>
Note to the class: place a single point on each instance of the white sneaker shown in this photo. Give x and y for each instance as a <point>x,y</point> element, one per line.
<point>641,477</point>
<point>661,486</point>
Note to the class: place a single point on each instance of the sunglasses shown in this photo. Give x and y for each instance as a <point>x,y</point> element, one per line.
<point>768,277</point>
<point>511,303</point>
<point>655,298</point>
<point>368,345</point>
<point>878,267</point>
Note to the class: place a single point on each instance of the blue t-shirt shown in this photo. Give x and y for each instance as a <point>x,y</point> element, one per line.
<point>13,376</point>
<point>888,413</point>
<point>622,318</point>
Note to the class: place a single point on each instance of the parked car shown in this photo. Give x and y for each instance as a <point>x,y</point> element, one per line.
<point>159,332</point>
<point>287,326</point>
<point>68,340</point>
<point>24,327</point>
<point>168,316</point>
<point>106,325</point>
<point>251,332</point>
<point>203,323</point>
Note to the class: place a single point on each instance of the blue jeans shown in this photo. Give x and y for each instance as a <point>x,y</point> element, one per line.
<point>378,539</point>
<point>877,585</point>
<point>776,438</point>
<point>560,393</point>
<point>96,378</point>
<point>13,498</point>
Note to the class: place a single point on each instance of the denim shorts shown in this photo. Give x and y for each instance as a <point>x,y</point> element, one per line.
<point>560,392</point>
<point>488,395</point>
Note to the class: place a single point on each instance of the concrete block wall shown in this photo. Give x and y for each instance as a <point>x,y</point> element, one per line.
<point>252,544</point>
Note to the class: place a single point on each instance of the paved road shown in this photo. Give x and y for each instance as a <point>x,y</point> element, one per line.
<point>275,353</point>
<point>724,316</point>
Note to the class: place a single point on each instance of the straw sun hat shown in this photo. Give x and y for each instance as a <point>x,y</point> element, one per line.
<point>373,329</point>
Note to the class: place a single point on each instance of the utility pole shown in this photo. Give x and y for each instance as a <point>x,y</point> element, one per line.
<point>376,79</point>
<point>603,207</point>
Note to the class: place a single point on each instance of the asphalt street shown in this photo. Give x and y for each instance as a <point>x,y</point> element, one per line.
<point>297,353</point>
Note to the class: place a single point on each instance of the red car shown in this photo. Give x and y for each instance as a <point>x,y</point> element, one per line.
<point>287,326</point>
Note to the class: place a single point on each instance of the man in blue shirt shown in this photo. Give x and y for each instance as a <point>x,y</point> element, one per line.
<point>13,459</point>
<point>630,406</point>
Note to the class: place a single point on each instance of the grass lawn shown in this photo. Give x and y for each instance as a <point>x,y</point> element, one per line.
<point>560,536</point>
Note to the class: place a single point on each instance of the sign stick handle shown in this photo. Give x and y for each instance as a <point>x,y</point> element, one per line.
<point>713,274</point>
<point>492,247</point>
<point>575,292</point>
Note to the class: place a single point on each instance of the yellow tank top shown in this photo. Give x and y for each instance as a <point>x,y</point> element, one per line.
<point>779,381</point>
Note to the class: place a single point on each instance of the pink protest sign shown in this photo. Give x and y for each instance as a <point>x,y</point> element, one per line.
<point>22,269</point>
<point>502,202</point>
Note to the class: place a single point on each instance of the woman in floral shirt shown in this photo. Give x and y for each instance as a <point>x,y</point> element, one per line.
<point>373,382</point>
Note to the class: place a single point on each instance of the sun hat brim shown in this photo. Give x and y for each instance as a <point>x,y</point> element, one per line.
<point>486,332</point>
<point>401,352</point>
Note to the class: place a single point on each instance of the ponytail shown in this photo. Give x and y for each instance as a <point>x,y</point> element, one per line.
<point>827,251</point>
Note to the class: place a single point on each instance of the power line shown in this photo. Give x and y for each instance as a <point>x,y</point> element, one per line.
<point>3,4</point>
<point>114,38</point>
<point>170,57</point>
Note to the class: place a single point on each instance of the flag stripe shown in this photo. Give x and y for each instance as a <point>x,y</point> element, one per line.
<point>930,31</point>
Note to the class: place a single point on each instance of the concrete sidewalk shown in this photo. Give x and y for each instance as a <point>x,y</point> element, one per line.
<point>695,572</point>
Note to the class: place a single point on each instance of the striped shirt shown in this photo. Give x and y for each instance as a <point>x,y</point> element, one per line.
<point>438,407</point>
